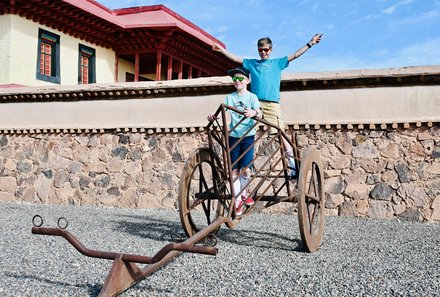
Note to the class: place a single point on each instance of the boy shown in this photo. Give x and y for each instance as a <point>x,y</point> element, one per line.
<point>266,80</point>
<point>247,102</point>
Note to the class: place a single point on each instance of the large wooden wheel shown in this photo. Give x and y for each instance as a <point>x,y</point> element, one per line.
<point>201,187</point>
<point>311,202</point>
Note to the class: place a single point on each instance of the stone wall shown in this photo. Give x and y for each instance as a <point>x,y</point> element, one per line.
<point>384,173</point>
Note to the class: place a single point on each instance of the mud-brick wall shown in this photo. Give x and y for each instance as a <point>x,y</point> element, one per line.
<point>391,173</point>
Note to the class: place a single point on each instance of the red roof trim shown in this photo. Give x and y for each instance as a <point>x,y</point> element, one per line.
<point>117,17</point>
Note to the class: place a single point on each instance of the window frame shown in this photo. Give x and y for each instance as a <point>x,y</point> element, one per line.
<point>91,53</point>
<point>44,38</point>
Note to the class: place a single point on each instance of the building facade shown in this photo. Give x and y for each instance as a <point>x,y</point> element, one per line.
<point>72,42</point>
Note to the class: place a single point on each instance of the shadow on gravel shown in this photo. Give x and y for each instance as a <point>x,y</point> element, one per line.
<point>171,231</point>
<point>93,289</point>
<point>266,240</point>
<point>151,228</point>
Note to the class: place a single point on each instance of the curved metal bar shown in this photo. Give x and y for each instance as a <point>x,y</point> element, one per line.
<point>183,247</point>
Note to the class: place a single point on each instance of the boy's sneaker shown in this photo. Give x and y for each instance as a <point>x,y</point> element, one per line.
<point>238,207</point>
<point>247,199</point>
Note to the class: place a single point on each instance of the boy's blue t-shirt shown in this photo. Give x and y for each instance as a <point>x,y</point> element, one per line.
<point>241,102</point>
<point>266,77</point>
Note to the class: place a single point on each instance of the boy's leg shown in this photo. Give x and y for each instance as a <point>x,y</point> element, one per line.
<point>248,142</point>
<point>235,153</point>
<point>272,114</point>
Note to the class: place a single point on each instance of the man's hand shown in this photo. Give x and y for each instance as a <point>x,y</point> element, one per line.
<point>316,39</point>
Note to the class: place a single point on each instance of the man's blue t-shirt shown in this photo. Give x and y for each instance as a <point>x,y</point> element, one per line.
<point>241,102</point>
<point>266,77</point>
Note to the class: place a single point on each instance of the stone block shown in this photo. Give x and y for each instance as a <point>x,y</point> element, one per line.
<point>348,209</point>
<point>433,168</point>
<point>344,143</point>
<point>7,197</point>
<point>8,184</point>
<point>389,176</point>
<point>380,210</point>
<point>334,185</point>
<point>391,151</point>
<point>333,200</point>
<point>362,207</point>
<point>331,212</point>
<point>435,206</point>
<point>136,138</point>
<point>365,150</point>
<point>115,165</point>
<point>331,173</point>
<point>382,191</point>
<point>132,168</point>
<point>60,178</point>
<point>403,173</point>
<point>340,162</point>
<point>357,191</point>
<point>411,214</point>
<point>415,196</point>
<point>10,164</point>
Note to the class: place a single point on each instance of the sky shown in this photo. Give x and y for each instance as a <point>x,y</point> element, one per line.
<point>357,34</point>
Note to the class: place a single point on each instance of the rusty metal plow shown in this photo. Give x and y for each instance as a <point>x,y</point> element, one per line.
<point>124,272</point>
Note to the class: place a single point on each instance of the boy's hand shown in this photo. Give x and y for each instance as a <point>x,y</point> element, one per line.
<point>217,47</point>
<point>250,113</point>
<point>316,38</point>
<point>211,117</point>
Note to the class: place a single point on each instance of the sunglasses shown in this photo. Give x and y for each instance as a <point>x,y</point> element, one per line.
<point>266,50</point>
<point>239,78</point>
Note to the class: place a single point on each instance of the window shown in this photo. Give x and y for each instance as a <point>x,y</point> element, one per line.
<point>86,65</point>
<point>48,63</point>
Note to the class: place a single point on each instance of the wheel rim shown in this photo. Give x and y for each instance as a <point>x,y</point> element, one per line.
<point>311,206</point>
<point>200,184</point>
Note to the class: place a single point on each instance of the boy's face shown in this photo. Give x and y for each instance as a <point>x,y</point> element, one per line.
<point>264,51</point>
<point>240,81</point>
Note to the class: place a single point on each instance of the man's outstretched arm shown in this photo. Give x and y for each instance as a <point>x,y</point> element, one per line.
<point>315,40</point>
<point>229,55</point>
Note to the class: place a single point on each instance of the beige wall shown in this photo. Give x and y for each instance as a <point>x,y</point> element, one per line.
<point>126,66</point>
<point>5,48</point>
<point>23,55</point>
<point>378,105</point>
<point>123,67</point>
<point>362,105</point>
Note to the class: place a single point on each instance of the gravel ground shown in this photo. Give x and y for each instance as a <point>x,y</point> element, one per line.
<point>261,257</point>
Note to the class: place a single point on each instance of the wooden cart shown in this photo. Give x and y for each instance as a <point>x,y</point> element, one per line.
<point>207,182</point>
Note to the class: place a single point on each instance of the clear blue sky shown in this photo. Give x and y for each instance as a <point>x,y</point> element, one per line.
<point>358,34</point>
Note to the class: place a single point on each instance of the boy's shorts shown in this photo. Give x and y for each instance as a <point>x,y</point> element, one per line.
<point>272,114</point>
<point>246,142</point>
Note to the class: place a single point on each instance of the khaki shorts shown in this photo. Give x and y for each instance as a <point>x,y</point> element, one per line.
<point>272,114</point>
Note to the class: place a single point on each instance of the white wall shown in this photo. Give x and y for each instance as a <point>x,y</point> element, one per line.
<point>5,48</point>
<point>24,51</point>
<point>123,67</point>
<point>342,106</point>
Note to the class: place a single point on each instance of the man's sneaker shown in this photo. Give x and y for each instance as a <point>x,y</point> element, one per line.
<point>292,170</point>
<point>247,199</point>
<point>293,174</point>
<point>238,207</point>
